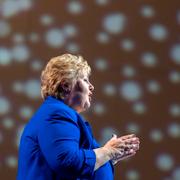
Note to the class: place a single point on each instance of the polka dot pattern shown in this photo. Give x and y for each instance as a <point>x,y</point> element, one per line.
<point>134,50</point>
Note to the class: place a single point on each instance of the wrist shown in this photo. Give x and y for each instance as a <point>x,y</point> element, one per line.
<point>102,156</point>
<point>107,152</point>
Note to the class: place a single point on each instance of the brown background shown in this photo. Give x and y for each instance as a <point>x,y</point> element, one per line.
<point>154,115</point>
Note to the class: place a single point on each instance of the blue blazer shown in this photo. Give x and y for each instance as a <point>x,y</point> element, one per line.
<point>57,144</point>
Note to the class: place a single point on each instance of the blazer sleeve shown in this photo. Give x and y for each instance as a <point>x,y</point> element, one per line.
<point>58,139</point>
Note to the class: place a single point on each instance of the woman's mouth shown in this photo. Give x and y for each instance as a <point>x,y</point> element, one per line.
<point>90,97</point>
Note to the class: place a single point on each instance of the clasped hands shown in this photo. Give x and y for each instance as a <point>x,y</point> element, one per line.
<point>122,147</point>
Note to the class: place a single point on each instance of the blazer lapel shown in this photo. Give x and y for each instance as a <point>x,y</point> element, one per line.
<point>87,140</point>
<point>86,134</point>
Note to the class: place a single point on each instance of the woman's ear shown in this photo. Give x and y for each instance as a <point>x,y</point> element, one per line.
<point>64,88</point>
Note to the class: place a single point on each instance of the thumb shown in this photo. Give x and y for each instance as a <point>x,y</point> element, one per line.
<point>114,136</point>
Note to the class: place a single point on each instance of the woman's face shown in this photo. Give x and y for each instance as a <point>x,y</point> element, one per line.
<point>80,95</point>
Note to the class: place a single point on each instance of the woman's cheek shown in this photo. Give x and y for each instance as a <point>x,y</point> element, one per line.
<point>87,102</point>
<point>83,100</point>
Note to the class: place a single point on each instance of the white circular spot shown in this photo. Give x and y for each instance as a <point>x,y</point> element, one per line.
<point>132,175</point>
<point>70,30</point>
<point>158,32</point>
<point>8,123</point>
<point>5,28</point>
<point>10,8</point>
<point>24,4</point>
<point>4,105</point>
<point>99,109</point>
<point>18,38</point>
<point>153,86</point>
<point>128,71</point>
<point>36,65</point>
<point>103,37</point>
<point>26,112</point>
<point>46,20</point>
<point>101,64</point>
<point>127,44</point>
<point>18,87</point>
<point>176,173</point>
<point>5,56</point>
<point>18,135</point>
<point>32,89</point>
<point>106,134</point>
<point>149,59</point>
<point>114,23</point>
<point>34,37</point>
<point>55,38</point>
<point>11,161</point>
<point>156,135</point>
<point>102,2</point>
<point>175,53</point>
<point>109,89</point>
<point>72,47</point>
<point>20,53</point>
<point>147,11</point>
<point>75,7</point>
<point>174,110</point>
<point>165,162</point>
<point>139,108</point>
<point>132,128</point>
<point>174,77</point>
<point>130,91</point>
<point>174,130</point>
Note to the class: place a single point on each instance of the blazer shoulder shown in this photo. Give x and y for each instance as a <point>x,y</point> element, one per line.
<point>59,108</point>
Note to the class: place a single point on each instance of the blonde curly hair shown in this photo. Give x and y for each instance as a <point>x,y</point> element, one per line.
<point>62,69</point>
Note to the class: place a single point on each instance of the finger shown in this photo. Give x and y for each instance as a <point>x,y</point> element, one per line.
<point>132,144</point>
<point>130,155</point>
<point>132,140</point>
<point>127,136</point>
<point>134,147</point>
<point>126,156</point>
<point>129,152</point>
<point>114,162</point>
<point>114,136</point>
<point>121,145</point>
<point>118,153</point>
<point>126,143</point>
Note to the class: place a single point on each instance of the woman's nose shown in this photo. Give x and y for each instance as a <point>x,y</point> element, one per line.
<point>91,87</point>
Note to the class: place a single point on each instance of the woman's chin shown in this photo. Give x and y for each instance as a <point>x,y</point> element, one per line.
<point>85,107</point>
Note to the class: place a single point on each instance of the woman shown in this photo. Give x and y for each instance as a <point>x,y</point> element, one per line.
<point>57,143</point>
